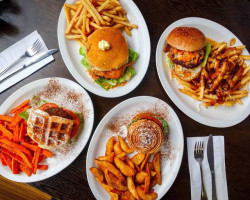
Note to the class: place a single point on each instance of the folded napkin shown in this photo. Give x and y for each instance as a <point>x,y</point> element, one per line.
<point>11,54</point>
<point>219,166</point>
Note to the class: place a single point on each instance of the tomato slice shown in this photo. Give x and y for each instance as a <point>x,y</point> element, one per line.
<point>76,120</point>
<point>149,117</point>
<point>48,105</point>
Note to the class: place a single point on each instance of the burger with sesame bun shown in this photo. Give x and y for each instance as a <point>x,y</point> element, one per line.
<point>187,52</point>
<point>108,58</point>
<point>146,132</point>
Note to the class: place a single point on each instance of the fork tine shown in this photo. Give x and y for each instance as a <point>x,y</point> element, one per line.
<point>195,148</point>
<point>34,44</point>
<point>202,146</point>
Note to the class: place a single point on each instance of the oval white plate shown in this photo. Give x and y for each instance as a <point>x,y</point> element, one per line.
<point>219,117</point>
<point>139,42</point>
<point>56,164</point>
<point>124,111</point>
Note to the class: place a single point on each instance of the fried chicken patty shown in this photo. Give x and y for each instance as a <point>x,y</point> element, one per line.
<point>188,59</point>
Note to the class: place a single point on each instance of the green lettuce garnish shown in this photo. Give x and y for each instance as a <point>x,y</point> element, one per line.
<point>79,115</point>
<point>24,115</point>
<point>170,63</point>
<point>109,83</point>
<point>208,50</point>
<point>132,55</point>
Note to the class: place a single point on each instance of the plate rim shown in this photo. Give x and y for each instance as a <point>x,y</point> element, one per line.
<point>179,127</point>
<point>173,96</point>
<point>29,86</point>
<point>67,61</point>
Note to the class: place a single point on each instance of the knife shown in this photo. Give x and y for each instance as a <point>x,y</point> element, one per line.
<point>210,157</point>
<point>32,61</point>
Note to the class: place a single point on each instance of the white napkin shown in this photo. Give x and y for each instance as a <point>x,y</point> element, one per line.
<point>11,54</point>
<point>219,166</point>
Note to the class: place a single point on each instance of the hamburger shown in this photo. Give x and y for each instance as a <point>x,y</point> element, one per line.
<point>187,52</point>
<point>108,58</point>
<point>146,132</point>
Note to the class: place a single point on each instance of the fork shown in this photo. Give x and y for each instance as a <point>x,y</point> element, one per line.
<point>198,155</point>
<point>31,51</point>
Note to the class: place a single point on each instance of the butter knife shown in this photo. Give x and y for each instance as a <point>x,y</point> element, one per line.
<point>32,61</point>
<point>210,157</point>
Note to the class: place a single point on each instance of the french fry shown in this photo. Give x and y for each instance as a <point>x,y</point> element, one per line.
<point>145,161</point>
<point>245,57</point>
<point>157,166</point>
<point>140,177</point>
<point>67,14</point>
<point>117,148</point>
<point>148,196</point>
<point>110,146</point>
<point>131,187</point>
<point>124,145</point>
<point>109,158</point>
<point>73,20</point>
<point>97,173</point>
<point>114,182</point>
<point>125,169</point>
<point>125,23</point>
<point>138,158</point>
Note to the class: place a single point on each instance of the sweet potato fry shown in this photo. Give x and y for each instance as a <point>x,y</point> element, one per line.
<point>97,173</point>
<point>8,160</point>
<point>13,156</point>
<point>25,169</point>
<point>131,187</point>
<point>117,148</point>
<point>114,182</point>
<point>16,134</point>
<point>6,132</point>
<point>124,145</point>
<point>109,158</point>
<point>148,196</point>
<point>15,169</point>
<point>16,146</point>
<point>6,118</point>
<point>110,146</point>
<point>103,165</point>
<point>157,166</point>
<point>42,167</point>
<point>15,122</point>
<point>25,103</point>
<point>2,159</point>
<point>33,147</point>
<point>138,158</point>
<point>21,133</point>
<point>125,169</point>
<point>35,160</point>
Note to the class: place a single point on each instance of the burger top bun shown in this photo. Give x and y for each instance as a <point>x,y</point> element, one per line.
<point>187,39</point>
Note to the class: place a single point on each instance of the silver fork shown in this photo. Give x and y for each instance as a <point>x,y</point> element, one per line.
<point>198,155</point>
<point>31,51</point>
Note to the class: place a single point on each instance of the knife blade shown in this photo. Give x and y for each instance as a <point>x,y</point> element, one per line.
<point>210,157</point>
<point>32,61</point>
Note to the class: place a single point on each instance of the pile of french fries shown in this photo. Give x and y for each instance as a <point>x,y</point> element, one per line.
<point>85,16</point>
<point>17,150</point>
<point>222,79</point>
<point>127,178</point>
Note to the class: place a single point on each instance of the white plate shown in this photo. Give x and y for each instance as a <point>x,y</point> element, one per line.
<point>58,162</point>
<point>139,42</point>
<point>122,115</point>
<point>219,117</point>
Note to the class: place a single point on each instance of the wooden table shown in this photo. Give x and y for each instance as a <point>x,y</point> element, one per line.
<point>25,16</point>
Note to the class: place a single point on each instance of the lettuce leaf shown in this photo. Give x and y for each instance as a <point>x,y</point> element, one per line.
<point>170,63</point>
<point>79,115</point>
<point>208,50</point>
<point>24,115</point>
<point>84,60</point>
<point>132,55</point>
<point>108,83</point>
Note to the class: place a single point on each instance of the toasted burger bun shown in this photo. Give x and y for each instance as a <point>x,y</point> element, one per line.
<point>113,58</point>
<point>146,134</point>
<point>187,74</point>
<point>186,38</point>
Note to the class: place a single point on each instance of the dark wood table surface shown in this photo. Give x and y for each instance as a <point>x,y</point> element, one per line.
<point>25,16</point>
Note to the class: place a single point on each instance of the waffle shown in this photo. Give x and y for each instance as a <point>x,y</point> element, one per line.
<point>48,131</point>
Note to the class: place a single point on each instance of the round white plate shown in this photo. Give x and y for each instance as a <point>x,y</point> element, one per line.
<point>58,162</point>
<point>139,42</point>
<point>122,115</point>
<point>219,117</point>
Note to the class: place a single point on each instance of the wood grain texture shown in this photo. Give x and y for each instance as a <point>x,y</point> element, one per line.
<point>71,183</point>
<point>10,190</point>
